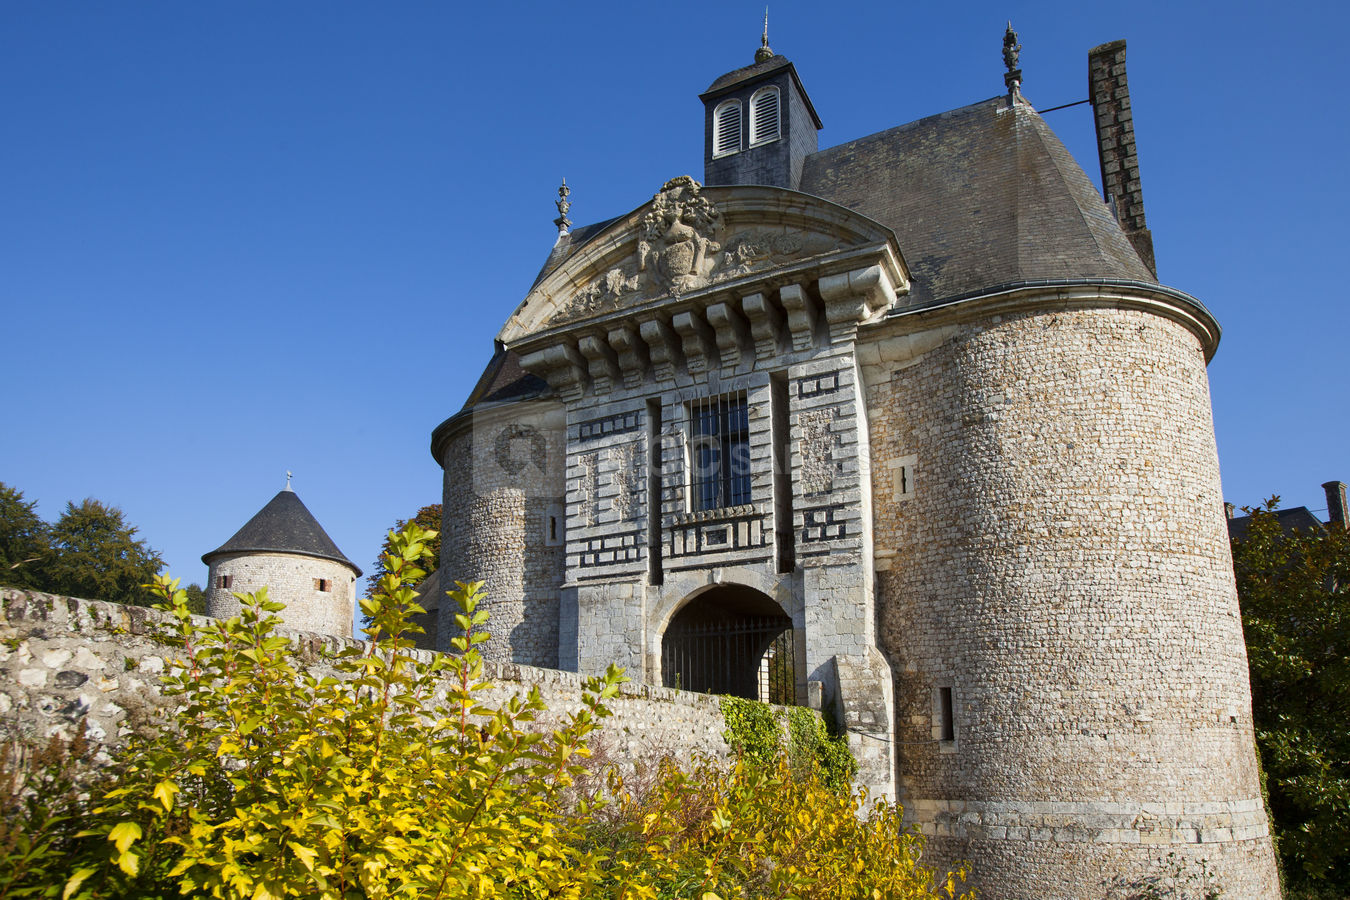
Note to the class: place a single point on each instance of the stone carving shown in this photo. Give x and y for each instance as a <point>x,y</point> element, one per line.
<point>678,241</point>
<point>588,486</point>
<point>819,442</point>
<point>601,295</point>
<point>680,248</point>
<point>627,480</point>
<point>762,248</point>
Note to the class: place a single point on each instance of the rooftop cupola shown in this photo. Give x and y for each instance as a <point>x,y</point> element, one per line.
<point>759,124</point>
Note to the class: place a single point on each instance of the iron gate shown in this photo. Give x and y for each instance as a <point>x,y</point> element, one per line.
<point>744,656</point>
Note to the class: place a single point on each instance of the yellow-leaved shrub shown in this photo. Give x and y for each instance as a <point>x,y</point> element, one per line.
<point>394,778</point>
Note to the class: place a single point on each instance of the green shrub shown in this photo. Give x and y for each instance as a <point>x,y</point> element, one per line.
<point>396,779</point>
<point>277,783</point>
<point>811,744</point>
<point>43,797</point>
<point>755,733</point>
<point>764,831</point>
<point>753,729</point>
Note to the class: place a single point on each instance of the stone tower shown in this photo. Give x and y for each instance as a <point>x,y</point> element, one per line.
<point>284,549</point>
<point>918,404</point>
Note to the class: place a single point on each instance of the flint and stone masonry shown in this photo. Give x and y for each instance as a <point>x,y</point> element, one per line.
<point>283,548</point>
<point>975,477</point>
<point>67,663</point>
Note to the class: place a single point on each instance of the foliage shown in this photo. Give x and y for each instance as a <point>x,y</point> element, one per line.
<point>1295,594</point>
<point>24,546</point>
<point>43,792</point>
<point>278,783</point>
<point>755,733</point>
<point>96,554</point>
<point>196,599</point>
<point>427,518</point>
<point>90,551</point>
<point>753,729</point>
<point>396,778</point>
<point>762,831</point>
<point>811,744</point>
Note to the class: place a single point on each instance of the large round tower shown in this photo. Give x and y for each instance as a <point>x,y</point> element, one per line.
<point>286,550</point>
<point>1060,608</point>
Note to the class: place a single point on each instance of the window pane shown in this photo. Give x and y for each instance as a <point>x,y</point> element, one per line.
<point>719,452</point>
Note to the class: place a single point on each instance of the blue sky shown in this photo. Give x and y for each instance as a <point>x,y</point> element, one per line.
<point>240,238</point>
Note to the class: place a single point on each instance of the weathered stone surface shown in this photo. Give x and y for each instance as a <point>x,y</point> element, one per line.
<point>37,701</point>
<point>1063,567</point>
<point>291,578</point>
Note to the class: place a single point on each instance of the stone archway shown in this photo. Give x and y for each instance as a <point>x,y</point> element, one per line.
<point>731,639</point>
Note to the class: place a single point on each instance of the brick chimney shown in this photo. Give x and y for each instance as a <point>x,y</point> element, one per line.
<point>1110,95</point>
<point>1336,512</point>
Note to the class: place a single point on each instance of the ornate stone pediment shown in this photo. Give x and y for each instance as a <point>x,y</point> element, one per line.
<point>686,240</point>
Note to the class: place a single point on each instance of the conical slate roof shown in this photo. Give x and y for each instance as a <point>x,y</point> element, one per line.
<point>284,525</point>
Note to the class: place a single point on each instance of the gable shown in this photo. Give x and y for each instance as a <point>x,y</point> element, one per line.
<point>690,241</point>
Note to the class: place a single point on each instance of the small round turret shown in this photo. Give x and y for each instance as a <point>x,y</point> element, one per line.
<point>286,550</point>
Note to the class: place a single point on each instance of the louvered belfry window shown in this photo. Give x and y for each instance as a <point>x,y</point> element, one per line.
<point>764,116</point>
<point>727,128</point>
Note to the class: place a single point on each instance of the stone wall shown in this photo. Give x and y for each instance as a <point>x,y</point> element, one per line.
<point>502,524</point>
<point>64,661</point>
<point>291,578</point>
<point>1059,564</point>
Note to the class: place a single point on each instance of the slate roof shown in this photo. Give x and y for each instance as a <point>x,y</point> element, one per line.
<point>569,243</point>
<point>503,380</point>
<point>1299,518</point>
<point>978,197</point>
<point>745,73</point>
<point>981,198</point>
<point>284,525</point>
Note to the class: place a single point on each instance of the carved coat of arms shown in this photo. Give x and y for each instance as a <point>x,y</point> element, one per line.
<point>681,248</point>
<point>678,244</point>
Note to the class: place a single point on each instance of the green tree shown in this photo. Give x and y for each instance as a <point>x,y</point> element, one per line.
<point>196,599</point>
<point>96,555</point>
<point>24,546</point>
<point>1295,594</point>
<point>428,518</point>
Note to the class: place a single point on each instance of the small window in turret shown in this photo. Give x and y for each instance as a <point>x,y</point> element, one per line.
<point>224,581</point>
<point>944,719</point>
<point>764,118</point>
<point>323,584</point>
<point>727,128</point>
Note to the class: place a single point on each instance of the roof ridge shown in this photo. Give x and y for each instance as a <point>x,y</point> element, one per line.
<point>1056,163</point>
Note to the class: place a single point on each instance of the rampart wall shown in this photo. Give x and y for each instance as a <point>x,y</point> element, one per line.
<point>65,661</point>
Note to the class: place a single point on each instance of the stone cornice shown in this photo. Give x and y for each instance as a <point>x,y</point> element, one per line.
<point>730,329</point>
<point>1029,296</point>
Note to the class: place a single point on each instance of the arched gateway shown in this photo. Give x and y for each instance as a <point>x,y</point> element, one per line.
<point>731,639</point>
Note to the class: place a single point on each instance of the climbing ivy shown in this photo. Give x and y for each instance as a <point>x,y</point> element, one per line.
<point>811,744</point>
<point>753,729</point>
<point>755,733</point>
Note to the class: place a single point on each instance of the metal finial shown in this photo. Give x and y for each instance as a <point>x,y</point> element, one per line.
<point>288,479</point>
<point>1011,56</point>
<point>764,52</point>
<point>563,205</point>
